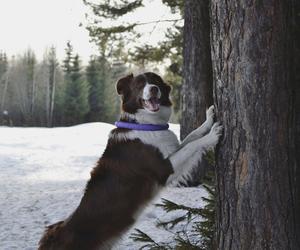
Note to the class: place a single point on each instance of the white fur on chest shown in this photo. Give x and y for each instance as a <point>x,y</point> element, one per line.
<point>165,140</point>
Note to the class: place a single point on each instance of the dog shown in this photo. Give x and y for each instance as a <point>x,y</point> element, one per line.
<point>141,157</point>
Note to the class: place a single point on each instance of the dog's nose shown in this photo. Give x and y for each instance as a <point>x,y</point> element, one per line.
<point>154,90</point>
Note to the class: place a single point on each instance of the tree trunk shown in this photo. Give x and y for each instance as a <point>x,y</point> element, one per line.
<point>32,99</point>
<point>52,83</point>
<point>3,99</point>
<point>52,97</point>
<point>255,95</point>
<point>197,90</point>
<point>197,71</point>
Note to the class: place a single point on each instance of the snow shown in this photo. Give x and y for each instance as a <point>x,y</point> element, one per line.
<point>43,172</point>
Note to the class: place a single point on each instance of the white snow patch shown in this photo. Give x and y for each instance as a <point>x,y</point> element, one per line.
<point>43,172</point>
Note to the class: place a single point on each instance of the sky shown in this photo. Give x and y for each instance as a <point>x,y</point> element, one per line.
<point>38,24</point>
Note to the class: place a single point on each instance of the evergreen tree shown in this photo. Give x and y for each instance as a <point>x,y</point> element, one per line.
<point>60,89</point>
<point>94,77</point>
<point>52,66</point>
<point>199,229</point>
<point>29,88</point>
<point>110,38</point>
<point>29,64</point>
<point>117,33</point>
<point>3,80</point>
<point>3,64</point>
<point>67,62</point>
<point>76,103</point>
<point>61,95</point>
<point>3,67</point>
<point>112,103</point>
<point>48,78</point>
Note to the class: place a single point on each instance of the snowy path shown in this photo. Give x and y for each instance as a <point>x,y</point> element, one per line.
<point>43,173</point>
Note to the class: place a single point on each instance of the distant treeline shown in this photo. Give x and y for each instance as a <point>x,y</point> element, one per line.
<point>48,93</point>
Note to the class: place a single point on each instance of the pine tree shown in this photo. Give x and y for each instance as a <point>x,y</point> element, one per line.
<point>117,33</point>
<point>110,39</point>
<point>48,78</point>
<point>94,77</point>
<point>199,229</point>
<point>52,66</point>
<point>207,227</point>
<point>76,95</point>
<point>76,90</point>
<point>61,96</point>
<point>3,81</point>
<point>3,69</point>
<point>67,62</point>
<point>59,99</point>
<point>112,103</point>
<point>29,64</point>
<point>3,64</point>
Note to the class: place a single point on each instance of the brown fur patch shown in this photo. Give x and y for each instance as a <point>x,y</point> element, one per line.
<point>122,181</point>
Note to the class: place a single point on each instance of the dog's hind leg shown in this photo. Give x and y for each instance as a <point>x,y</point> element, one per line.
<point>202,130</point>
<point>185,159</point>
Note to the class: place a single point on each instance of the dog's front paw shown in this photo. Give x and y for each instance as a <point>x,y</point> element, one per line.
<point>215,133</point>
<point>210,112</point>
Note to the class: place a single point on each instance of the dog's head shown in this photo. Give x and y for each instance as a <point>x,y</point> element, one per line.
<point>145,97</point>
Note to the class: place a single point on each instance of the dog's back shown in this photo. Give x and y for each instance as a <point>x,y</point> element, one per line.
<point>124,179</point>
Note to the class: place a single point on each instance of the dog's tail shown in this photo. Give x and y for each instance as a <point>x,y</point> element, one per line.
<point>52,238</point>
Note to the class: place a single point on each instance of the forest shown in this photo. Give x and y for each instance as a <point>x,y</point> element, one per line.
<point>240,56</point>
<point>54,93</point>
<point>48,93</point>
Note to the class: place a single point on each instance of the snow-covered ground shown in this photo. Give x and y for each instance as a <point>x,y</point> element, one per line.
<point>42,176</point>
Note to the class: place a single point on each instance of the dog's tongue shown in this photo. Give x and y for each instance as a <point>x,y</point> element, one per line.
<point>152,104</point>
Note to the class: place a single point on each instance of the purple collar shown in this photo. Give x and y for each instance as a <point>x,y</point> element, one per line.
<point>143,127</point>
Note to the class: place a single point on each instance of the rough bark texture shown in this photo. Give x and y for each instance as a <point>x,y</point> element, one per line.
<point>197,83</point>
<point>255,90</point>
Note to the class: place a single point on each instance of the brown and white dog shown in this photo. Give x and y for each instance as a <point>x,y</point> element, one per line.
<point>134,166</point>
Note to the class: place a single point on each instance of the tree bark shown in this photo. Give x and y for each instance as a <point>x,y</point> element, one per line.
<point>52,96</point>
<point>197,89</point>
<point>52,85</point>
<point>255,93</point>
<point>197,69</point>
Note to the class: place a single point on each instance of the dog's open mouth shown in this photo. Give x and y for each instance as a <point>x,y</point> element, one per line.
<point>152,104</point>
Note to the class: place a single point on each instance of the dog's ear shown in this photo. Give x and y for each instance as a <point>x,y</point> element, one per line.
<point>123,84</point>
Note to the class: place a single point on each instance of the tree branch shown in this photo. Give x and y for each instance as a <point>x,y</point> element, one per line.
<point>160,21</point>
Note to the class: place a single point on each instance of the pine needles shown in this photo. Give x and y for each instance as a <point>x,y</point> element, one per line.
<point>197,225</point>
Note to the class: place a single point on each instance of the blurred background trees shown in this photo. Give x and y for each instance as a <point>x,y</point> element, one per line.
<point>53,93</point>
<point>49,93</point>
<point>110,30</point>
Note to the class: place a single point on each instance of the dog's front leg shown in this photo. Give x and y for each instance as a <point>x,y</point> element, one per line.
<point>203,129</point>
<point>188,157</point>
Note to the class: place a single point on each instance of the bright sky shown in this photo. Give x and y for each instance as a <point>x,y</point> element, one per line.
<point>38,24</point>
